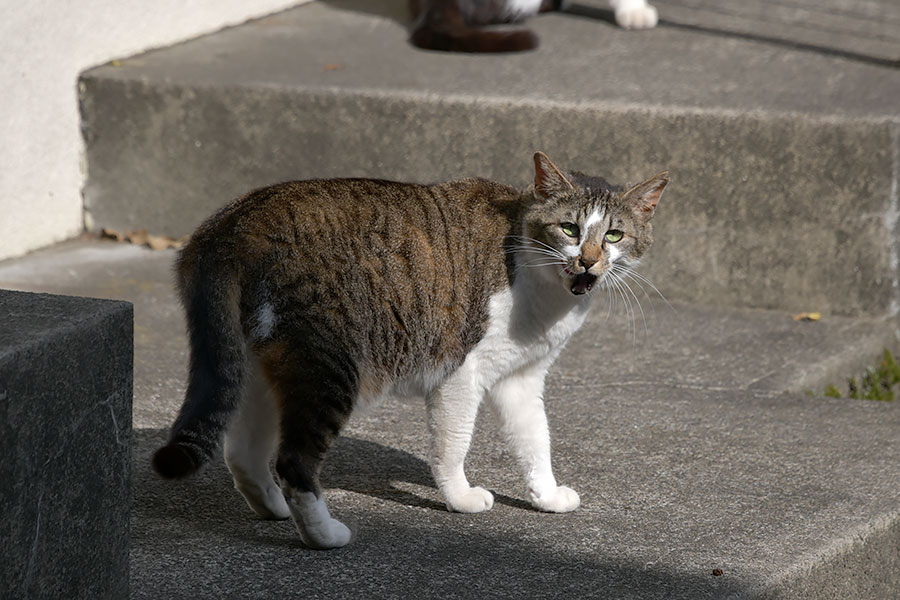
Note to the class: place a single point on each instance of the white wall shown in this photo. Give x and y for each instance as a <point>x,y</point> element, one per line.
<point>44,45</point>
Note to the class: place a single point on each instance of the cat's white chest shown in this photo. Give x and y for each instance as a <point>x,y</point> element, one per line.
<point>521,335</point>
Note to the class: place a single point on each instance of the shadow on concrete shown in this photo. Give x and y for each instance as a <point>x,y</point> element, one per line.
<point>593,12</point>
<point>398,11</point>
<point>197,536</point>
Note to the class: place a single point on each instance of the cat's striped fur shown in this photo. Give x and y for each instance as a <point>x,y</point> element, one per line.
<point>306,298</point>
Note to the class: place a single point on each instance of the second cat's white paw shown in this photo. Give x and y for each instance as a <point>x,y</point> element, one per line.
<point>637,17</point>
<point>560,500</point>
<point>472,500</point>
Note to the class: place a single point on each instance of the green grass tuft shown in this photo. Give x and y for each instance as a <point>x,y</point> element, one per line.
<point>877,383</point>
<point>832,392</point>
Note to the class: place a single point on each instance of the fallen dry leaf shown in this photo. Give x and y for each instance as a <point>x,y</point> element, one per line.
<point>111,234</point>
<point>141,237</point>
<point>332,67</point>
<point>138,237</point>
<point>808,316</point>
<point>163,242</point>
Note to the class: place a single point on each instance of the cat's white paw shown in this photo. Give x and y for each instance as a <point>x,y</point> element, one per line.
<point>560,500</point>
<point>637,17</point>
<point>267,502</point>
<point>317,528</point>
<point>325,535</point>
<point>472,500</point>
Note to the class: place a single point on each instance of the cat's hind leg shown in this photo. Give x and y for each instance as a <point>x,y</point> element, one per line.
<point>452,410</point>
<point>250,444</point>
<point>518,402</point>
<point>316,396</point>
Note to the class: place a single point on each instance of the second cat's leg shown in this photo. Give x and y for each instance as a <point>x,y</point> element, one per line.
<point>517,400</point>
<point>634,14</point>
<point>250,444</point>
<point>316,395</point>
<point>452,410</point>
<point>553,5</point>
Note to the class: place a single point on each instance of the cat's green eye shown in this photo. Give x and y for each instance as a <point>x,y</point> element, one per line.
<point>570,229</point>
<point>613,236</point>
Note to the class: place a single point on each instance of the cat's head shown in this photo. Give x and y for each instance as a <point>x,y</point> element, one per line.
<point>580,229</point>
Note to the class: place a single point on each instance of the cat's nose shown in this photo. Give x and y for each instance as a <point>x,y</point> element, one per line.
<point>586,262</point>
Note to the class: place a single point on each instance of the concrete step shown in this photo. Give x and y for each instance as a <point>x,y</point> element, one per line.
<point>690,456</point>
<point>785,157</point>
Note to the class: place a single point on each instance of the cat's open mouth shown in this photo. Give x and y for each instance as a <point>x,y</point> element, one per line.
<point>583,283</point>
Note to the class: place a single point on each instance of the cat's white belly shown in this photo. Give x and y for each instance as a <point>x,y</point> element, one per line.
<point>516,338</point>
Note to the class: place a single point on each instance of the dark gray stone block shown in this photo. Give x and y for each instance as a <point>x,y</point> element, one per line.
<point>65,438</point>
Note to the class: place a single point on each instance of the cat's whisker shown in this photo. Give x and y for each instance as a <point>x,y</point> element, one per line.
<point>539,263</point>
<point>544,248</point>
<point>640,278</point>
<point>536,251</point>
<point>614,287</point>
<point>636,300</point>
<point>529,241</point>
<point>543,264</point>
<point>624,290</point>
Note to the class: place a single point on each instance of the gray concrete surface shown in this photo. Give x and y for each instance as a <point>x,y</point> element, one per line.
<point>65,438</point>
<point>687,454</point>
<point>867,32</point>
<point>785,158</point>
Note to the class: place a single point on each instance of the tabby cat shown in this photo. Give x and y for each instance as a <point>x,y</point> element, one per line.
<point>462,25</point>
<point>307,299</point>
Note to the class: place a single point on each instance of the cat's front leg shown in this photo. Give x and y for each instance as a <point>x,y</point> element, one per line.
<point>452,409</point>
<point>518,402</point>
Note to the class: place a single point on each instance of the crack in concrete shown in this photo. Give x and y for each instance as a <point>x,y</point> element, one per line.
<point>34,545</point>
<point>77,423</point>
<point>700,387</point>
<point>892,216</point>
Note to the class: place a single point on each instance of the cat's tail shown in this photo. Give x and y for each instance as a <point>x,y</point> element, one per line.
<point>218,358</point>
<point>471,39</point>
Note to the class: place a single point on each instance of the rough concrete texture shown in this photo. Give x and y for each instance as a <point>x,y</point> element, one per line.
<point>785,160</point>
<point>686,452</point>
<point>867,32</point>
<point>65,432</point>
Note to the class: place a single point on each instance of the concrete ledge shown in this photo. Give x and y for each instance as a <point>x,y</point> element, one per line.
<point>785,162</point>
<point>65,435</point>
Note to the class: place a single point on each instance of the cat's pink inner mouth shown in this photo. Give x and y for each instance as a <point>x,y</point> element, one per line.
<point>583,283</point>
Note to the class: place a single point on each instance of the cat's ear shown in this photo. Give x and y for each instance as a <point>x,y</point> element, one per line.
<point>548,179</point>
<point>645,196</point>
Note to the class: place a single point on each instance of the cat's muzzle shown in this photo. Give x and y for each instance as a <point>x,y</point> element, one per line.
<point>583,283</point>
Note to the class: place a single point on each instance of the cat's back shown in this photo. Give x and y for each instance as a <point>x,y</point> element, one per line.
<point>402,269</point>
<point>359,205</point>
